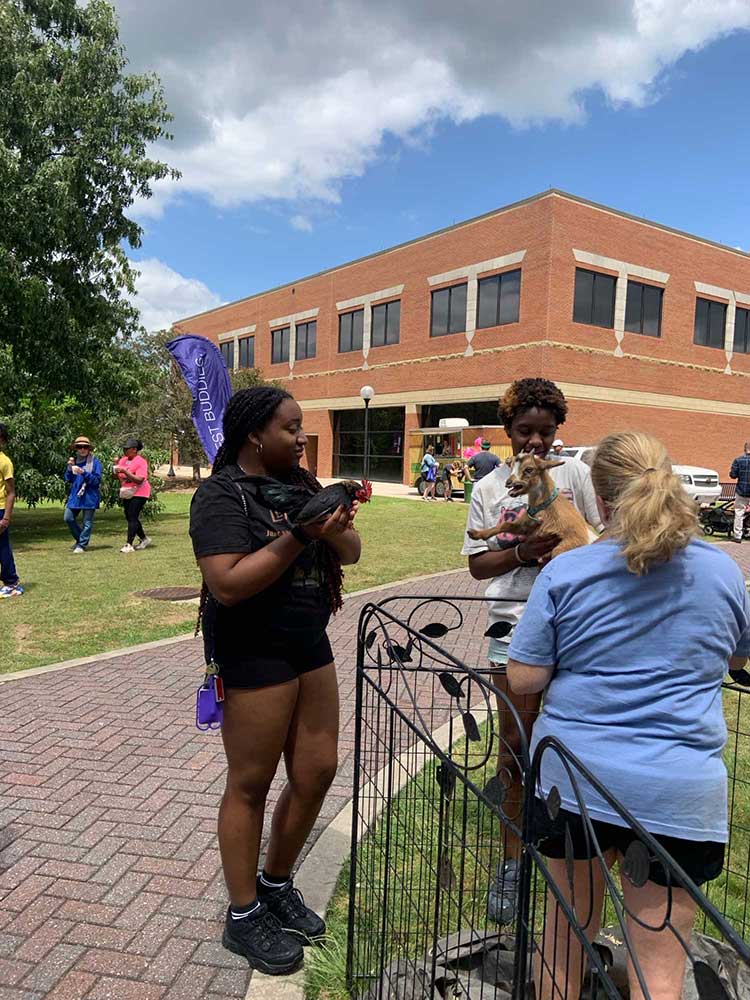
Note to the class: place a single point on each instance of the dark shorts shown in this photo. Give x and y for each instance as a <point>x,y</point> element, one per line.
<point>701,860</point>
<point>276,663</point>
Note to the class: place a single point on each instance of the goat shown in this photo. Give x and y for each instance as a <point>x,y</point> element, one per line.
<point>548,512</point>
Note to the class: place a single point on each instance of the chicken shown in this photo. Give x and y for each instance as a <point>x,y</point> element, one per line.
<point>302,507</point>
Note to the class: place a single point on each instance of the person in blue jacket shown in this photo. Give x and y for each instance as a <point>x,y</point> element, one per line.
<point>84,473</point>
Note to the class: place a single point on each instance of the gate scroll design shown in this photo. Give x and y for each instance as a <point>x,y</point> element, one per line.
<point>429,816</point>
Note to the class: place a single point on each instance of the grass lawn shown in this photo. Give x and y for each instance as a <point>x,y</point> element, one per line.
<point>81,605</point>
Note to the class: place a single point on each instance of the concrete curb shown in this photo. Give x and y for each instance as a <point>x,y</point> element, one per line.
<point>319,872</point>
<point>50,668</point>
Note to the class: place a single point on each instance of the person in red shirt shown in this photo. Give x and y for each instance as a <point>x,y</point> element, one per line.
<point>132,471</point>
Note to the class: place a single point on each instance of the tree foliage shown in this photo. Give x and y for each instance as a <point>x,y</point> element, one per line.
<point>75,130</point>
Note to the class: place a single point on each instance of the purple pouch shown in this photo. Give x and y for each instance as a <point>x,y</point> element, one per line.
<point>209,704</point>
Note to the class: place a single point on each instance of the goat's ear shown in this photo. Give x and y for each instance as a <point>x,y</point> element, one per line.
<point>510,460</point>
<point>549,463</point>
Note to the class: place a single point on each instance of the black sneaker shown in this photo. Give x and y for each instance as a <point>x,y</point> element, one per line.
<point>260,939</point>
<point>288,906</point>
<point>501,901</point>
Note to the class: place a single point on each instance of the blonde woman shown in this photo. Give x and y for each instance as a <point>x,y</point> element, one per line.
<point>631,638</point>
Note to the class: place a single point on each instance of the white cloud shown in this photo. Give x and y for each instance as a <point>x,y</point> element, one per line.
<point>302,223</point>
<point>278,99</point>
<point>164,295</point>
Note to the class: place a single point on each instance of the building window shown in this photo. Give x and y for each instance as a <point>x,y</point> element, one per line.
<point>306,336</point>
<point>279,345</point>
<point>351,326</point>
<point>710,322</point>
<point>594,298</point>
<point>643,309</point>
<point>448,311</point>
<point>247,352</point>
<point>499,299</point>
<point>227,352</point>
<point>742,331</point>
<point>386,323</point>
<point>386,443</point>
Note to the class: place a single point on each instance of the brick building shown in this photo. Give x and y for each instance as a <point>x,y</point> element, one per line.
<point>642,326</point>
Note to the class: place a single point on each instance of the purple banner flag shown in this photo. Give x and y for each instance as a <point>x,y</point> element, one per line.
<point>207,378</point>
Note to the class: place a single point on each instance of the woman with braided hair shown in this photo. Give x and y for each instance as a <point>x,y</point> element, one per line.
<point>269,591</point>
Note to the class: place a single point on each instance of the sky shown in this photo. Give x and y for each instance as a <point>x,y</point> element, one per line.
<point>312,134</point>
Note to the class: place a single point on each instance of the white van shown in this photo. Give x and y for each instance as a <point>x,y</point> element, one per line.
<point>702,484</point>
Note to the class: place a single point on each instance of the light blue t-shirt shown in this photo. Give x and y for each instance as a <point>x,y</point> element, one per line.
<point>636,695</point>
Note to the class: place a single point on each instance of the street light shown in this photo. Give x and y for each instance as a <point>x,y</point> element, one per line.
<point>367,392</point>
<point>171,472</point>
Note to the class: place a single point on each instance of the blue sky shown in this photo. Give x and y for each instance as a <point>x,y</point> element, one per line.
<point>670,143</point>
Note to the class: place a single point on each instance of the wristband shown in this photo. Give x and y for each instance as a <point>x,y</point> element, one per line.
<point>301,537</point>
<point>523,562</point>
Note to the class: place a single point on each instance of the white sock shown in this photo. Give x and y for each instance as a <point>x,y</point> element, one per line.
<point>245,911</point>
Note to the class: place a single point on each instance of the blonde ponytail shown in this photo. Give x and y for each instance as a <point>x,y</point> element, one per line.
<point>651,514</point>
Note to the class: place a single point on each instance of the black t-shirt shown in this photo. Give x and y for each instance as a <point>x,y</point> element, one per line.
<point>483,463</point>
<point>293,609</point>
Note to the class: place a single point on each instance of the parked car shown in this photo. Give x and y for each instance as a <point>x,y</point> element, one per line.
<point>702,484</point>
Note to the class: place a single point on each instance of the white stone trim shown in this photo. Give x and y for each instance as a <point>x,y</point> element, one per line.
<point>239,331</point>
<point>366,300</point>
<point>471,272</point>
<point>365,303</point>
<point>621,266</point>
<point>292,321</point>
<point>624,271</point>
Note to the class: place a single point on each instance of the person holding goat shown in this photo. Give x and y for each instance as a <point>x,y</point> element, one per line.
<point>531,410</point>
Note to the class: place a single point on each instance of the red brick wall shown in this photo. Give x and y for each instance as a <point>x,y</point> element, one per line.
<point>548,228</point>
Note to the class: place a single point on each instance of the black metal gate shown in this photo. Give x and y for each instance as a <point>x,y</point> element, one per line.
<point>431,814</point>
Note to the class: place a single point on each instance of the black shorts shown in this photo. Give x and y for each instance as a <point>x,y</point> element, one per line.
<point>701,860</point>
<point>276,663</point>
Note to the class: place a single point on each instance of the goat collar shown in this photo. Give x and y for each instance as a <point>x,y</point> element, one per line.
<point>533,511</point>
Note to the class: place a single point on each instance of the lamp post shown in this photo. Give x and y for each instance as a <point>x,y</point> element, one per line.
<point>367,392</point>
<point>171,472</point>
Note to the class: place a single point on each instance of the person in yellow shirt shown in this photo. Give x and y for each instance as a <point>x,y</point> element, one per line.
<point>11,586</point>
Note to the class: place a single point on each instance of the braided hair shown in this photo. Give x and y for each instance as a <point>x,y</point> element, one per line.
<point>251,410</point>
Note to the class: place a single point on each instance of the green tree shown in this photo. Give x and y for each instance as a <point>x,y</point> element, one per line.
<point>74,134</point>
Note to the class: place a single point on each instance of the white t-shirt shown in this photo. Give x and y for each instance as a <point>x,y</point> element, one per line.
<point>491,503</point>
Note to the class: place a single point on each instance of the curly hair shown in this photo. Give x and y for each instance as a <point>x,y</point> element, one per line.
<point>251,410</point>
<point>527,393</point>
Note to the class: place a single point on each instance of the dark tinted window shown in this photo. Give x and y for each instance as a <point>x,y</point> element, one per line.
<point>227,352</point>
<point>448,311</point>
<point>742,331</point>
<point>643,309</point>
<point>350,330</point>
<point>306,340</point>
<point>710,320</point>
<point>280,345</point>
<point>499,299</point>
<point>386,323</point>
<point>594,298</point>
<point>247,352</point>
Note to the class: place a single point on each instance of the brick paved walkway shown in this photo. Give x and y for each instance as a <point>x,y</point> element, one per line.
<point>110,880</point>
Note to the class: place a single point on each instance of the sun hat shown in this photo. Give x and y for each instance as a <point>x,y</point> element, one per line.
<point>485,444</point>
<point>81,439</point>
<point>132,443</point>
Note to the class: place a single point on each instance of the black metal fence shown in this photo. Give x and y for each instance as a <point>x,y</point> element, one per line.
<point>432,822</point>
